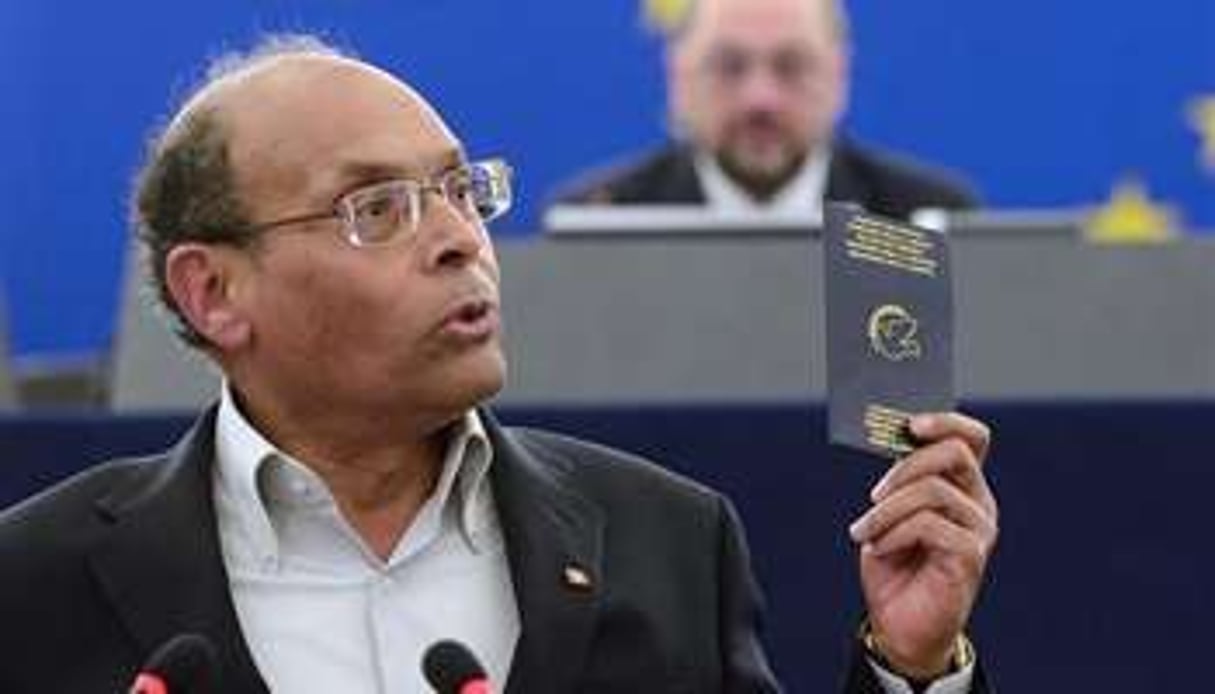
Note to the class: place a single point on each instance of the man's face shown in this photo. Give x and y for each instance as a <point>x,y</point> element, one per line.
<point>758,84</point>
<point>407,326</point>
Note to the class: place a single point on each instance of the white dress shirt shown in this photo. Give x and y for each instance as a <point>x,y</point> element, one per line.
<point>957,683</point>
<point>323,613</point>
<point>800,198</point>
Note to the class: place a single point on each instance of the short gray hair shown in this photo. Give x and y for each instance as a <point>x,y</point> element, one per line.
<point>186,190</point>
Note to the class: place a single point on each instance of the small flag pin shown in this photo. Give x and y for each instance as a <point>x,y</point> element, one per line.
<point>577,578</point>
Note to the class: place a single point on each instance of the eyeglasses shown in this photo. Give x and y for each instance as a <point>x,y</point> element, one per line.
<point>389,211</point>
<point>729,68</point>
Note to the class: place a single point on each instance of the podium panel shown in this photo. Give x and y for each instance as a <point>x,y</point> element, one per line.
<point>739,318</point>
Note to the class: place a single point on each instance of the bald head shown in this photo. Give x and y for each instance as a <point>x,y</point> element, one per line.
<point>247,145</point>
<point>759,84</point>
<point>828,13</point>
<point>297,123</point>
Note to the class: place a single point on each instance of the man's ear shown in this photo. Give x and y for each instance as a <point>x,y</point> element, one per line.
<point>203,281</point>
<point>680,101</point>
<point>842,77</point>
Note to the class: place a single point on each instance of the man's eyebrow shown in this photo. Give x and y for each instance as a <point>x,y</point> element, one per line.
<point>453,157</point>
<point>358,171</point>
<point>353,171</point>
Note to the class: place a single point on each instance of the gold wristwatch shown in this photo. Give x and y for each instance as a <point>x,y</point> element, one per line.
<point>963,652</point>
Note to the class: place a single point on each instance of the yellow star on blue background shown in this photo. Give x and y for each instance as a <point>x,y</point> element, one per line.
<point>665,16</point>
<point>1131,216</point>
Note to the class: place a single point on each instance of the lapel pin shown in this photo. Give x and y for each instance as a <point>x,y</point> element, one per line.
<point>577,578</point>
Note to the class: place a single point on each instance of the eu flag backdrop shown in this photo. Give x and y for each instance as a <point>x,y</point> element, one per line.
<point>1042,103</point>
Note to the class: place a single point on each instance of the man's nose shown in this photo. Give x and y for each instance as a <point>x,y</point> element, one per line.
<point>453,237</point>
<point>762,88</point>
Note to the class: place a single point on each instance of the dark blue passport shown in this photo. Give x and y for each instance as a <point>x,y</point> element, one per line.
<point>889,328</point>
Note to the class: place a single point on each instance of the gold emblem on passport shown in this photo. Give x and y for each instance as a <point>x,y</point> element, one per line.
<point>887,427</point>
<point>892,333</point>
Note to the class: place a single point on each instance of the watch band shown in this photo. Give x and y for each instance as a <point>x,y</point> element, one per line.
<point>963,655</point>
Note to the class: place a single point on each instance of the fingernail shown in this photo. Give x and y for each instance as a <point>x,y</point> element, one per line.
<point>879,489</point>
<point>921,424</point>
<point>855,529</point>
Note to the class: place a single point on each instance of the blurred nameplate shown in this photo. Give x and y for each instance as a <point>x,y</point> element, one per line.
<point>1063,224</point>
<point>650,220</point>
<point>889,328</point>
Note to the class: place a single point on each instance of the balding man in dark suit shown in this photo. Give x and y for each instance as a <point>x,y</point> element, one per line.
<point>319,233</point>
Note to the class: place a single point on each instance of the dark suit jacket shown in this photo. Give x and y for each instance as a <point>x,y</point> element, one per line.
<point>98,572</point>
<point>883,183</point>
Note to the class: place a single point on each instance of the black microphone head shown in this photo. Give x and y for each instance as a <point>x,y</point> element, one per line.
<point>186,662</point>
<point>449,665</point>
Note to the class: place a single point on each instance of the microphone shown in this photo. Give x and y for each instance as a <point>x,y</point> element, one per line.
<point>185,663</point>
<point>452,669</point>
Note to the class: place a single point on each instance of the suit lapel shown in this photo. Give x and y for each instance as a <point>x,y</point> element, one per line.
<point>844,182</point>
<point>554,543</point>
<point>682,185</point>
<point>160,564</point>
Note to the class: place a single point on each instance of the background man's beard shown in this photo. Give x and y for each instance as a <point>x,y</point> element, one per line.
<point>760,182</point>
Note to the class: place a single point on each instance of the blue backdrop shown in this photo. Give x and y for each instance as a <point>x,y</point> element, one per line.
<point>1041,102</point>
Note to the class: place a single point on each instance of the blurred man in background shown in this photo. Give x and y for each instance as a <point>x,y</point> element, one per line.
<point>756,89</point>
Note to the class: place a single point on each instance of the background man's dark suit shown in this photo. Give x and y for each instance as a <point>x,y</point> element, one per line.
<point>98,572</point>
<point>883,183</point>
